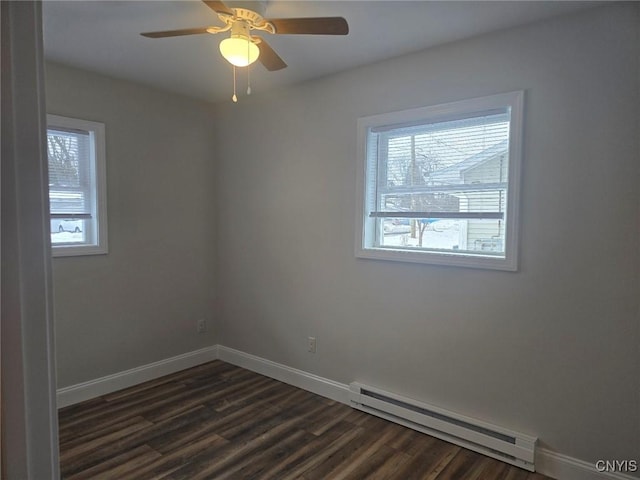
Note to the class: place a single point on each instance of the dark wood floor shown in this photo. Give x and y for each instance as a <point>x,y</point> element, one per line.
<point>219,421</point>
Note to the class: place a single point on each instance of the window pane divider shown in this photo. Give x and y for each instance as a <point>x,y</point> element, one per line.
<point>462,187</point>
<point>460,215</point>
<point>71,215</point>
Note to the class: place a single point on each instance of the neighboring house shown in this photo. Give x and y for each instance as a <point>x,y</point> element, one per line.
<point>487,171</point>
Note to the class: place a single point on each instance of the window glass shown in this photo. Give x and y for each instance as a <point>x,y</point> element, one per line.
<point>75,150</point>
<point>439,185</point>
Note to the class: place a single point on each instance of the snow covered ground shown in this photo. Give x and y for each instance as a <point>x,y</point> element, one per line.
<point>443,234</point>
<point>67,237</point>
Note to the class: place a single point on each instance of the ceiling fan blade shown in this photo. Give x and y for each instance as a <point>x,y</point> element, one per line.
<point>269,58</point>
<point>175,33</point>
<point>311,26</point>
<point>218,6</point>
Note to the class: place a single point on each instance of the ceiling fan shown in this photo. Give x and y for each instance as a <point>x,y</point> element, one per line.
<point>242,48</point>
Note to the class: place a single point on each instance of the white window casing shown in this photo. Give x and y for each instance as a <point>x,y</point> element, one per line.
<point>77,186</point>
<point>441,184</point>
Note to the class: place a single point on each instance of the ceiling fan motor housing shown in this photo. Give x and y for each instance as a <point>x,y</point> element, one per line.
<point>240,29</point>
<point>246,18</point>
<point>258,6</point>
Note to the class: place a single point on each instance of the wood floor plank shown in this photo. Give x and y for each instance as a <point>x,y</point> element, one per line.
<point>372,465</point>
<point>495,469</point>
<point>331,416</point>
<point>199,395</point>
<point>98,419</point>
<point>184,434</point>
<point>466,465</point>
<point>219,421</point>
<point>273,454</point>
<point>375,446</point>
<point>133,440</point>
<point>69,454</point>
<point>300,456</point>
<point>515,473</point>
<point>249,467</point>
<point>411,442</point>
<point>118,465</point>
<point>84,434</point>
<point>178,458</point>
<point>171,432</point>
<point>428,464</point>
<point>388,469</point>
<point>312,462</point>
<point>239,454</point>
<point>258,392</point>
<point>337,458</point>
<point>195,431</point>
<point>126,404</point>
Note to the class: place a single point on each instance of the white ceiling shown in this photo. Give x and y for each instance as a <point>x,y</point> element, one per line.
<point>103,36</point>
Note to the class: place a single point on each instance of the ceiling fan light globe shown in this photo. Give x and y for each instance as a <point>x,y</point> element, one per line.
<point>239,51</point>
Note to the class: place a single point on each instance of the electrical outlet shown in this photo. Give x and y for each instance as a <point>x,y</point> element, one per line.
<point>311,344</point>
<point>202,326</point>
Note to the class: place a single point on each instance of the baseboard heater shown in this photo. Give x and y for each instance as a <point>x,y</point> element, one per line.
<point>505,445</point>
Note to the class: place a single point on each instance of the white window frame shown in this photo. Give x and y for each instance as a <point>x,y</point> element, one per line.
<point>98,176</point>
<point>365,227</point>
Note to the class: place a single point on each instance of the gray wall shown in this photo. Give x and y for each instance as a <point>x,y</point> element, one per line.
<point>551,350</point>
<point>249,208</point>
<point>139,303</point>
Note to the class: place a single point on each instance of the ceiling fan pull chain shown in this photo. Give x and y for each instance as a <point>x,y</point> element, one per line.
<point>248,73</point>
<point>234,98</point>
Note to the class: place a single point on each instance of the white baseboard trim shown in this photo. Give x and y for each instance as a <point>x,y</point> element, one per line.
<point>112,383</point>
<point>550,463</point>
<point>563,467</point>
<point>298,378</point>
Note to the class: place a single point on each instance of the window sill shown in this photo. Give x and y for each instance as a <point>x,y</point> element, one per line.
<point>487,262</point>
<point>77,250</point>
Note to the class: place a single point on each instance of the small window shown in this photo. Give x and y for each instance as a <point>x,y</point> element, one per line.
<point>77,193</point>
<point>440,184</point>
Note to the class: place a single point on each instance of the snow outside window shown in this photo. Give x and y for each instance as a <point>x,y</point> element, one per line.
<point>440,184</point>
<point>77,196</point>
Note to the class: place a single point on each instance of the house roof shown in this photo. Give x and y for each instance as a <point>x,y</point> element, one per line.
<point>455,172</point>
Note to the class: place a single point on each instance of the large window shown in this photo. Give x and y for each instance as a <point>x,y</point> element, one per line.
<point>440,184</point>
<point>77,196</point>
